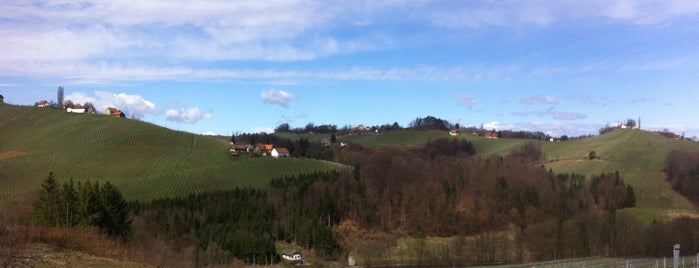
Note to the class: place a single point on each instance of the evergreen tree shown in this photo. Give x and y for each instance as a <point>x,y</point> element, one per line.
<point>46,208</point>
<point>69,204</point>
<point>114,218</point>
<point>89,203</point>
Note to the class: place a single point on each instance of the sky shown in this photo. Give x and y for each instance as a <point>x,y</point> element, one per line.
<point>220,67</point>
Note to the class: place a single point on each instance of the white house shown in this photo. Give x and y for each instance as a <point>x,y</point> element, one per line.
<point>280,152</point>
<point>291,255</point>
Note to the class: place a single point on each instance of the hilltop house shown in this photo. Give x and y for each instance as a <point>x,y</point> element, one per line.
<point>454,132</point>
<point>280,152</point>
<point>42,104</point>
<point>114,112</point>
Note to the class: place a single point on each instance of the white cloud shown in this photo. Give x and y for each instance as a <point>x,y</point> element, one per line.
<point>514,13</point>
<point>187,116</point>
<point>279,97</point>
<point>209,133</point>
<point>466,99</point>
<point>132,105</point>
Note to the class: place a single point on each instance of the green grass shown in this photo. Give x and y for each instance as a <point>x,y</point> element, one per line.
<point>144,160</point>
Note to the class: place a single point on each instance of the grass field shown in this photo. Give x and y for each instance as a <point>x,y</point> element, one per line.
<point>144,160</point>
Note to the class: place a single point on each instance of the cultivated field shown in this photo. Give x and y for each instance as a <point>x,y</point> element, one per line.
<point>144,160</point>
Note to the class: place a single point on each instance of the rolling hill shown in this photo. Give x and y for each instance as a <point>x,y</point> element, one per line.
<point>639,157</point>
<point>144,160</point>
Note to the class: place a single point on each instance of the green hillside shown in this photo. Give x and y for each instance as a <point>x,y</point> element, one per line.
<point>639,157</point>
<point>144,160</point>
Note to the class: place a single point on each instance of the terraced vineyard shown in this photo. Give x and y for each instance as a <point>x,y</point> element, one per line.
<point>144,160</point>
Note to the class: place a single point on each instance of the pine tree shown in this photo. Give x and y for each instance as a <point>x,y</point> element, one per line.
<point>115,213</point>
<point>45,209</point>
<point>89,203</point>
<point>69,204</point>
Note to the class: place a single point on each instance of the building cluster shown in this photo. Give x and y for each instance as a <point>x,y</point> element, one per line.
<point>261,149</point>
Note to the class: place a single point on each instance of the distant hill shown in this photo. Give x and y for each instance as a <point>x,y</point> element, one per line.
<point>144,160</point>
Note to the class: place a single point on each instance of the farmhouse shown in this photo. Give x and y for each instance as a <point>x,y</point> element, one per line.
<point>280,152</point>
<point>114,112</point>
<point>454,132</point>
<point>242,148</point>
<point>264,149</point>
<point>42,103</point>
<point>491,135</point>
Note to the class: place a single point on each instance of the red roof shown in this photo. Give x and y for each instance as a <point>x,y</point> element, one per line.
<point>265,147</point>
<point>282,151</point>
<point>114,111</point>
<point>491,135</point>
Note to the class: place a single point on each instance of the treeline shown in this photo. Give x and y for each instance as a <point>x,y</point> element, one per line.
<point>82,204</point>
<point>420,123</point>
<point>682,171</point>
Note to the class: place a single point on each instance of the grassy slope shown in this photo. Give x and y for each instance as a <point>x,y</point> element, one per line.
<point>639,157</point>
<point>144,160</point>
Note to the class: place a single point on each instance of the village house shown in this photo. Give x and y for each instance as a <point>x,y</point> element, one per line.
<point>454,132</point>
<point>280,152</point>
<point>242,148</point>
<point>491,135</point>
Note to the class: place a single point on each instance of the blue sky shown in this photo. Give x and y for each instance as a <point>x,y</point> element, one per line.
<point>561,67</point>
